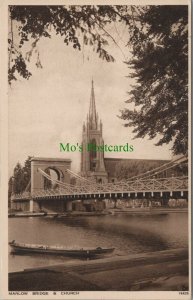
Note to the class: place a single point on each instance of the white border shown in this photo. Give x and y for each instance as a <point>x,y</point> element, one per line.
<point>4,294</point>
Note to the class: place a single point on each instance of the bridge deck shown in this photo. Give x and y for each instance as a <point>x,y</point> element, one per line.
<point>122,188</point>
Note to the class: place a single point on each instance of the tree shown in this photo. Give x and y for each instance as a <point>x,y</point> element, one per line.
<point>157,39</point>
<point>78,25</point>
<point>21,177</point>
<point>10,188</point>
<point>18,179</point>
<point>27,172</point>
<point>160,64</point>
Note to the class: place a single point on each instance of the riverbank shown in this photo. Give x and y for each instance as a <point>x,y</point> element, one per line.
<point>149,210</point>
<point>154,210</point>
<point>161,270</point>
<point>58,215</point>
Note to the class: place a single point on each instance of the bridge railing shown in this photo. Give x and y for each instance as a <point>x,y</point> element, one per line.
<point>21,196</point>
<point>148,185</point>
<point>171,184</point>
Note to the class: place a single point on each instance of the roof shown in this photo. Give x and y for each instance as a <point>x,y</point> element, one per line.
<point>50,159</point>
<point>111,163</point>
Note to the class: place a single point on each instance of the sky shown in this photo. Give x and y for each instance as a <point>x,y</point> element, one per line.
<point>50,107</point>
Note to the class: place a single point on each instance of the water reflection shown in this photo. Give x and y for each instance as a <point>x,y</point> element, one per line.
<point>127,233</point>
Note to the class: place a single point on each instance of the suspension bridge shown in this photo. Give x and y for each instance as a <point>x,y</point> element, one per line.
<point>151,184</point>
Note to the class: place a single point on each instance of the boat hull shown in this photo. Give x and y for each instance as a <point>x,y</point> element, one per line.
<point>19,249</point>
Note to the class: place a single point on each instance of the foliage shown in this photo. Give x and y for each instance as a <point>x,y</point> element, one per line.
<point>160,64</point>
<point>77,25</point>
<point>10,182</point>
<point>21,177</point>
<point>158,40</point>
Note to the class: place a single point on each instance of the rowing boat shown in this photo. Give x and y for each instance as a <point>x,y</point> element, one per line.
<point>45,249</point>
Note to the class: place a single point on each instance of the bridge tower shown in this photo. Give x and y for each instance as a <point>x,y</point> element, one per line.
<point>92,161</point>
<point>39,183</point>
<point>59,165</point>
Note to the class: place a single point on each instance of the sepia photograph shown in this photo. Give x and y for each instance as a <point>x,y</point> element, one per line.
<point>98,171</point>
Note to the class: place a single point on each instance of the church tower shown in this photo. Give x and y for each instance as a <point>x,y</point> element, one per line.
<point>92,162</point>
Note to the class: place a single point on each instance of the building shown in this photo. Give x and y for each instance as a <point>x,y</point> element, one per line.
<point>93,163</point>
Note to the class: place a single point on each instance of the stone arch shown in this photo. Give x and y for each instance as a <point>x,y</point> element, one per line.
<point>59,165</point>
<point>60,176</point>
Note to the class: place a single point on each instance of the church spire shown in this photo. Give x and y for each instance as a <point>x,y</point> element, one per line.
<point>92,109</point>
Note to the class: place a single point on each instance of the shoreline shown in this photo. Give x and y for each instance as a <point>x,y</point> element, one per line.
<point>161,270</point>
<point>112,211</point>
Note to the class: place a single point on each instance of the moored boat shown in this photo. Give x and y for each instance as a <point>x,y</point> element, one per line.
<point>26,214</point>
<point>45,249</point>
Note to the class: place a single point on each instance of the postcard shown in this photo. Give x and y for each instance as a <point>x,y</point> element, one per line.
<point>96,150</point>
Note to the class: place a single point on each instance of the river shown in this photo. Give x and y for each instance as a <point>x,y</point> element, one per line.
<point>129,234</point>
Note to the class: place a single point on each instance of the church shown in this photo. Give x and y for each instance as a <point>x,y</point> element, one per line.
<point>94,165</point>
